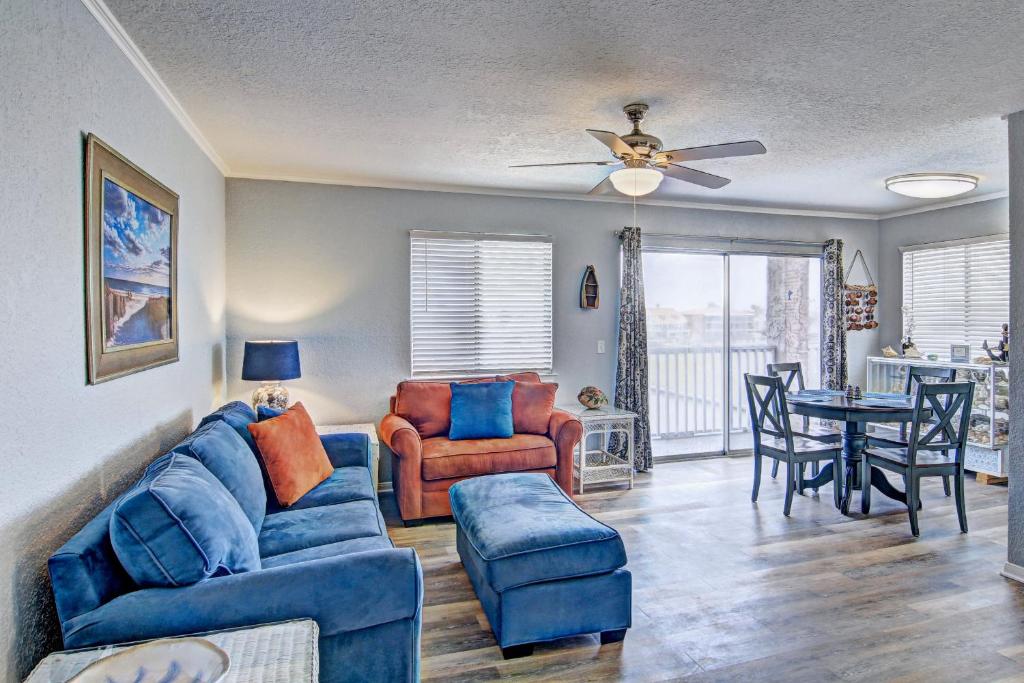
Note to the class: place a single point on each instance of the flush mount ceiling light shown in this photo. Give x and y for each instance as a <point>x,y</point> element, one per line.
<point>636,182</point>
<point>931,185</point>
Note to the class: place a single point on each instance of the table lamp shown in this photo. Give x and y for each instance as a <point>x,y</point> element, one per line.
<point>270,362</point>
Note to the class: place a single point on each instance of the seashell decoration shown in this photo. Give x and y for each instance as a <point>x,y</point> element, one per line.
<point>592,397</point>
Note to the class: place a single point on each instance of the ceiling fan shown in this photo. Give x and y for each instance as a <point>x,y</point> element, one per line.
<point>643,163</point>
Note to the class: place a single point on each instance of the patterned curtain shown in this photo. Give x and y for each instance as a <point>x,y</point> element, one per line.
<point>833,348</point>
<point>631,392</point>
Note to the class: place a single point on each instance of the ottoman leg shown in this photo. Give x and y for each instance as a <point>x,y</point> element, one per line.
<point>615,636</point>
<point>516,651</point>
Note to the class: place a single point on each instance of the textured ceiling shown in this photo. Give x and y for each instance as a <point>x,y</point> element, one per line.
<point>448,93</point>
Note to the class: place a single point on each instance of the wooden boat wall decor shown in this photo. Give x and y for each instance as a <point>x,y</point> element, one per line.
<point>590,291</point>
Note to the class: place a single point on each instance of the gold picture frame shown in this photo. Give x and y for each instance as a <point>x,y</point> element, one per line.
<point>131,266</point>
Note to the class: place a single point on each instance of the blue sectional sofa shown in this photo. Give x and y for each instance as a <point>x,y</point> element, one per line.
<point>327,557</point>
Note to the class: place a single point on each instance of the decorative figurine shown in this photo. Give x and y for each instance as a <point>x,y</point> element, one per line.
<point>1002,352</point>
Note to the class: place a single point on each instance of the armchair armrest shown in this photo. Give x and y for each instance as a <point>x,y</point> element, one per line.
<point>347,450</point>
<point>404,441</point>
<point>342,593</point>
<point>565,430</point>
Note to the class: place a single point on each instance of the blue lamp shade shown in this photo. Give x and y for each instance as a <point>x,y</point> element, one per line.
<point>271,361</point>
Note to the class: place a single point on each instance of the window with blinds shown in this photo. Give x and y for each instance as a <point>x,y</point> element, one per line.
<point>480,304</point>
<point>957,294</point>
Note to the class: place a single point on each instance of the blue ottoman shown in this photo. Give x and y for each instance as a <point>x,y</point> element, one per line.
<point>541,567</point>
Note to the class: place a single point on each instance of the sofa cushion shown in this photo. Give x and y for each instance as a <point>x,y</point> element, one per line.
<point>354,545</point>
<point>292,453</point>
<point>426,405</point>
<point>525,529</point>
<point>238,415</point>
<point>447,459</point>
<point>291,530</point>
<point>481,411</point>
<point>179,525</point>
<point>532,405</point>
<point>223,452</point>
<point>344,484</point>
<point>267,413</point>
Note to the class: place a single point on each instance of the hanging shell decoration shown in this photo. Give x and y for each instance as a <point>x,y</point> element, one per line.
<point>592,397</point>
<point>860,301</point>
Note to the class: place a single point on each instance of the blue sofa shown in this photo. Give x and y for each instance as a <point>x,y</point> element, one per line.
<point>327,557</point>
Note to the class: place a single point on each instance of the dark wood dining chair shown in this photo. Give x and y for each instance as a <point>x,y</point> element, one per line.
<point>916,376</point>
<point>774,438</point>
<point>935,447</point>
<point>792,375</point>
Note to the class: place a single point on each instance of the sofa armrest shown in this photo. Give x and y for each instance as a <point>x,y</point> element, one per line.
<point>342,593</point>
<point>565,430</point>
<point>347,450</point>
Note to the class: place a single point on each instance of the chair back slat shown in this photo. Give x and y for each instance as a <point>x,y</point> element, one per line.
<point>769,413</point>
<point>924,374</point>
<point>791,373</point>
<point>947,428</point>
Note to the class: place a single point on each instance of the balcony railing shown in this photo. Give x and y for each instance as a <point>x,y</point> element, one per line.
<point>686,388</point>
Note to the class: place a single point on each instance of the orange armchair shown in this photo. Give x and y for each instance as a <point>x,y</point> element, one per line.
<point>425,462</point>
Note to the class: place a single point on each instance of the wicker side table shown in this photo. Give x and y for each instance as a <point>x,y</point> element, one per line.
<point>285,652</point>
<point>599,465</point>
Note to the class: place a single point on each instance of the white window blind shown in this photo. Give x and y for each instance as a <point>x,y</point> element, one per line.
<point>480,304</point>
<point>958,294</point>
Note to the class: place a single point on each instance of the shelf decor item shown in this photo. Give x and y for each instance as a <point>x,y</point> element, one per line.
<point>592,397</point>
<point>131,266</point>
<point>860,300</point>
<point>270,362</point>
<point>590,291</point>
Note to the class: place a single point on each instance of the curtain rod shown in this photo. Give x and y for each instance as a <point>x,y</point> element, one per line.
<point>731,240</point>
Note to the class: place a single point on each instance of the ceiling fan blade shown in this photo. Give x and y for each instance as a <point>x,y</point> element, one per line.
<point>568,163</point>
<point>603,187</point>
<point>691,175</point>
<point>729,149</point>
<point>613,142</point>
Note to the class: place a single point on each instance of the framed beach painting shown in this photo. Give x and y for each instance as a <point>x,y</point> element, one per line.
<point>131,237</point>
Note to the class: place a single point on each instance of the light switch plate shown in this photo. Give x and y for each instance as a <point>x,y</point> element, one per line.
<point>600,345</point>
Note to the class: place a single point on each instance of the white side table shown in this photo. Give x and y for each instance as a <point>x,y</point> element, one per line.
<point>595,465</point>
<point>370,430</point>
<point>285,652</point>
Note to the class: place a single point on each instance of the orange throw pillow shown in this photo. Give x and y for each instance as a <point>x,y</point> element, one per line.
<point>292,453</point>
<point>532,405</point>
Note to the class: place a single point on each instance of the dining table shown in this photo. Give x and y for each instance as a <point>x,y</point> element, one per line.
<point>855,414</point>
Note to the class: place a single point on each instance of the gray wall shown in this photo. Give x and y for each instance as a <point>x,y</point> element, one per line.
<point>328,265</point>
<point>1015,552</point>
<point>958,222</point>
<point>68,448</point>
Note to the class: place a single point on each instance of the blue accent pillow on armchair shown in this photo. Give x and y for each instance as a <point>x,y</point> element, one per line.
<point>481,411</point>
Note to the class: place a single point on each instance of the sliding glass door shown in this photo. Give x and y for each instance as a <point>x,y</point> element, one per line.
<point>711,318</point>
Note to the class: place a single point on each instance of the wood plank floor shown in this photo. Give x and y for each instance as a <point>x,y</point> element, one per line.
<point>727,590</point>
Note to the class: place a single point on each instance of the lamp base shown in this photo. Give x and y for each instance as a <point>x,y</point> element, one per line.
<point>272,395</point>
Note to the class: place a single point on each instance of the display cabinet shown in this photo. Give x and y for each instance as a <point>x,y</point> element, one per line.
<point>990,415</point>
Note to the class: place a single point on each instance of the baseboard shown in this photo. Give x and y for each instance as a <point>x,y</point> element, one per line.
<point>1013,571</point>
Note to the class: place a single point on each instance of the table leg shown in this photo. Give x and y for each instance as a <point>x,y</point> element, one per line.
<point>854,441</point>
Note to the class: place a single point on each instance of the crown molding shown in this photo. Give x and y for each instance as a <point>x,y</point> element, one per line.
<point>945,205</point>
<point>123,41</point>
<point>611,199</point>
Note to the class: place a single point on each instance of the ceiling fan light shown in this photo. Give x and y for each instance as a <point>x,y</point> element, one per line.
<point>931,185</point>
<point>636,182</point>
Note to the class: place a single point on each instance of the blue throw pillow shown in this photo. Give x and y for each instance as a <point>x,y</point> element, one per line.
<point>267,413</point>
<point>481,411</point>
<point>179,525</point>
<point>222,451</point>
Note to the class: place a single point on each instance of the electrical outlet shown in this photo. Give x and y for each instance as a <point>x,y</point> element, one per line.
<point>600,345</point>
